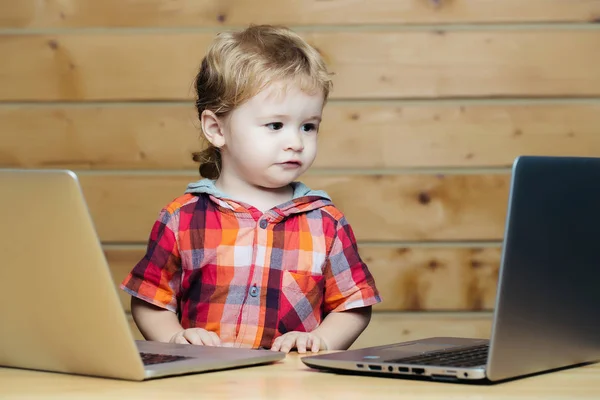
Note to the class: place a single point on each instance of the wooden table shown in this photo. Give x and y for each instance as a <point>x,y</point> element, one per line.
<point>291,379</point>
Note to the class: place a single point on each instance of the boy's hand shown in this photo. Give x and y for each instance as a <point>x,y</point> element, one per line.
<point>299,340</point>
<point>197,336</point>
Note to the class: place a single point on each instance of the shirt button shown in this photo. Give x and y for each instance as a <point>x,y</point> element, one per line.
<point>264,223</point>
<point>254,291</point>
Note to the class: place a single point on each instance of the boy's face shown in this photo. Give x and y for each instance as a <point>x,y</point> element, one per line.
<point>271,139</point>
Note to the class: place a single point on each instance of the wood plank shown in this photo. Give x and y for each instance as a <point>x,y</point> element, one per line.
<point>100,67</point>
<point>434,278</point>
<point>408,278</point>
<point>388,328</point>
<point>379,207</point>
<point>392,64</point>
<point>99,137</point>
<point>204,13</point>
<point>399,135</point>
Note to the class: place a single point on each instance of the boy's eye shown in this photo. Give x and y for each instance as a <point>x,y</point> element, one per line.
<point>309,127</point>
<point>275,126</point>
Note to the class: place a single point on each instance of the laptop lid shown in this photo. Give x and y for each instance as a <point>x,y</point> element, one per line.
<point>548,296</point>
<point>59,308</point>
<point>58,300</point>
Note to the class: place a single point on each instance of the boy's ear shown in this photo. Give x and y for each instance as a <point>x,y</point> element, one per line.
<point>212,128</point>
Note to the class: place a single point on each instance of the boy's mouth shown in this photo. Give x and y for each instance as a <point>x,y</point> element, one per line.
<point>291,164</point>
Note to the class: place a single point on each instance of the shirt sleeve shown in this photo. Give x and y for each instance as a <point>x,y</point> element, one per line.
<point>349,283</point>
<point>156,278</point>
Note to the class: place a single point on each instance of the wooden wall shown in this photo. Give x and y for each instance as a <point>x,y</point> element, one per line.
<point>432,101</point>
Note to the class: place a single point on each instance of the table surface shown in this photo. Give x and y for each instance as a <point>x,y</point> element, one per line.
<point>291,379</point>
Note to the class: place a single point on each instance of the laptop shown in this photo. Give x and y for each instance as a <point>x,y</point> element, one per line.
<point>547,313</point>
<point>59,307</point>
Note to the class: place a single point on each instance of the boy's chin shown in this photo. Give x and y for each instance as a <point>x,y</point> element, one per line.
<point>273,184</point>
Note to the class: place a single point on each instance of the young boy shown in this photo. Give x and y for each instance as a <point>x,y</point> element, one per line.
<point>248,256</point>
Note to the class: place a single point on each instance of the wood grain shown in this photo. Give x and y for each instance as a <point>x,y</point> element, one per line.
<point>99,137</point>
<point>396,327</point>
<point>291,379</point>
<point>362,135</point>
<point>392,64</point>
<point>417,206</point>
<point>434,278</point>
<point>215,13</point>
<point>408,278</point>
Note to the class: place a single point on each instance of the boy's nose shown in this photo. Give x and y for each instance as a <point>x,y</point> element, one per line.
<point>295,143</point>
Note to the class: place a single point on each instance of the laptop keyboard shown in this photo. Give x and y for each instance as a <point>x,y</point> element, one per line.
<point>152,358</point>
<point>464,357</point>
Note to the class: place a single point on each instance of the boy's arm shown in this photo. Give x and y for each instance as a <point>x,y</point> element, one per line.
<point>350,291</point>
<point>162,325</point>
<point>340,329</point>
<point>154,323</point>
<point>337,332</point>
<point>153,281</point>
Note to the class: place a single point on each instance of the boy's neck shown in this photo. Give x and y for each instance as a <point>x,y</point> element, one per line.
<point>259,197</point>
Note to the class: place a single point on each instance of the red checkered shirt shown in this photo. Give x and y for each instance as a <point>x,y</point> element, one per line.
<point>249,276</point>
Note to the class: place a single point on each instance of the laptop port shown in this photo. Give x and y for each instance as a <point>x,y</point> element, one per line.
<point>446,378</point>
<point>360,365</point>
<point>375,367</point>
<point>390,368</point>
<point>418,371</point>
<point>403,369</point>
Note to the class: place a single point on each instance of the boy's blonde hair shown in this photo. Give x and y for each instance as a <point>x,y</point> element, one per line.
<point>238,65</point>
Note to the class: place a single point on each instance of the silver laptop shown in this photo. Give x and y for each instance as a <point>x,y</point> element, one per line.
<point>547,313</point>
<point>59,308</point>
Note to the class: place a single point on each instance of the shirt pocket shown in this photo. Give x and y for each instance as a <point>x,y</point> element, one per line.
<point>301,301</point>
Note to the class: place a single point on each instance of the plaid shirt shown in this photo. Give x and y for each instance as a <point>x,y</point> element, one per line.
<point>250,277</point>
